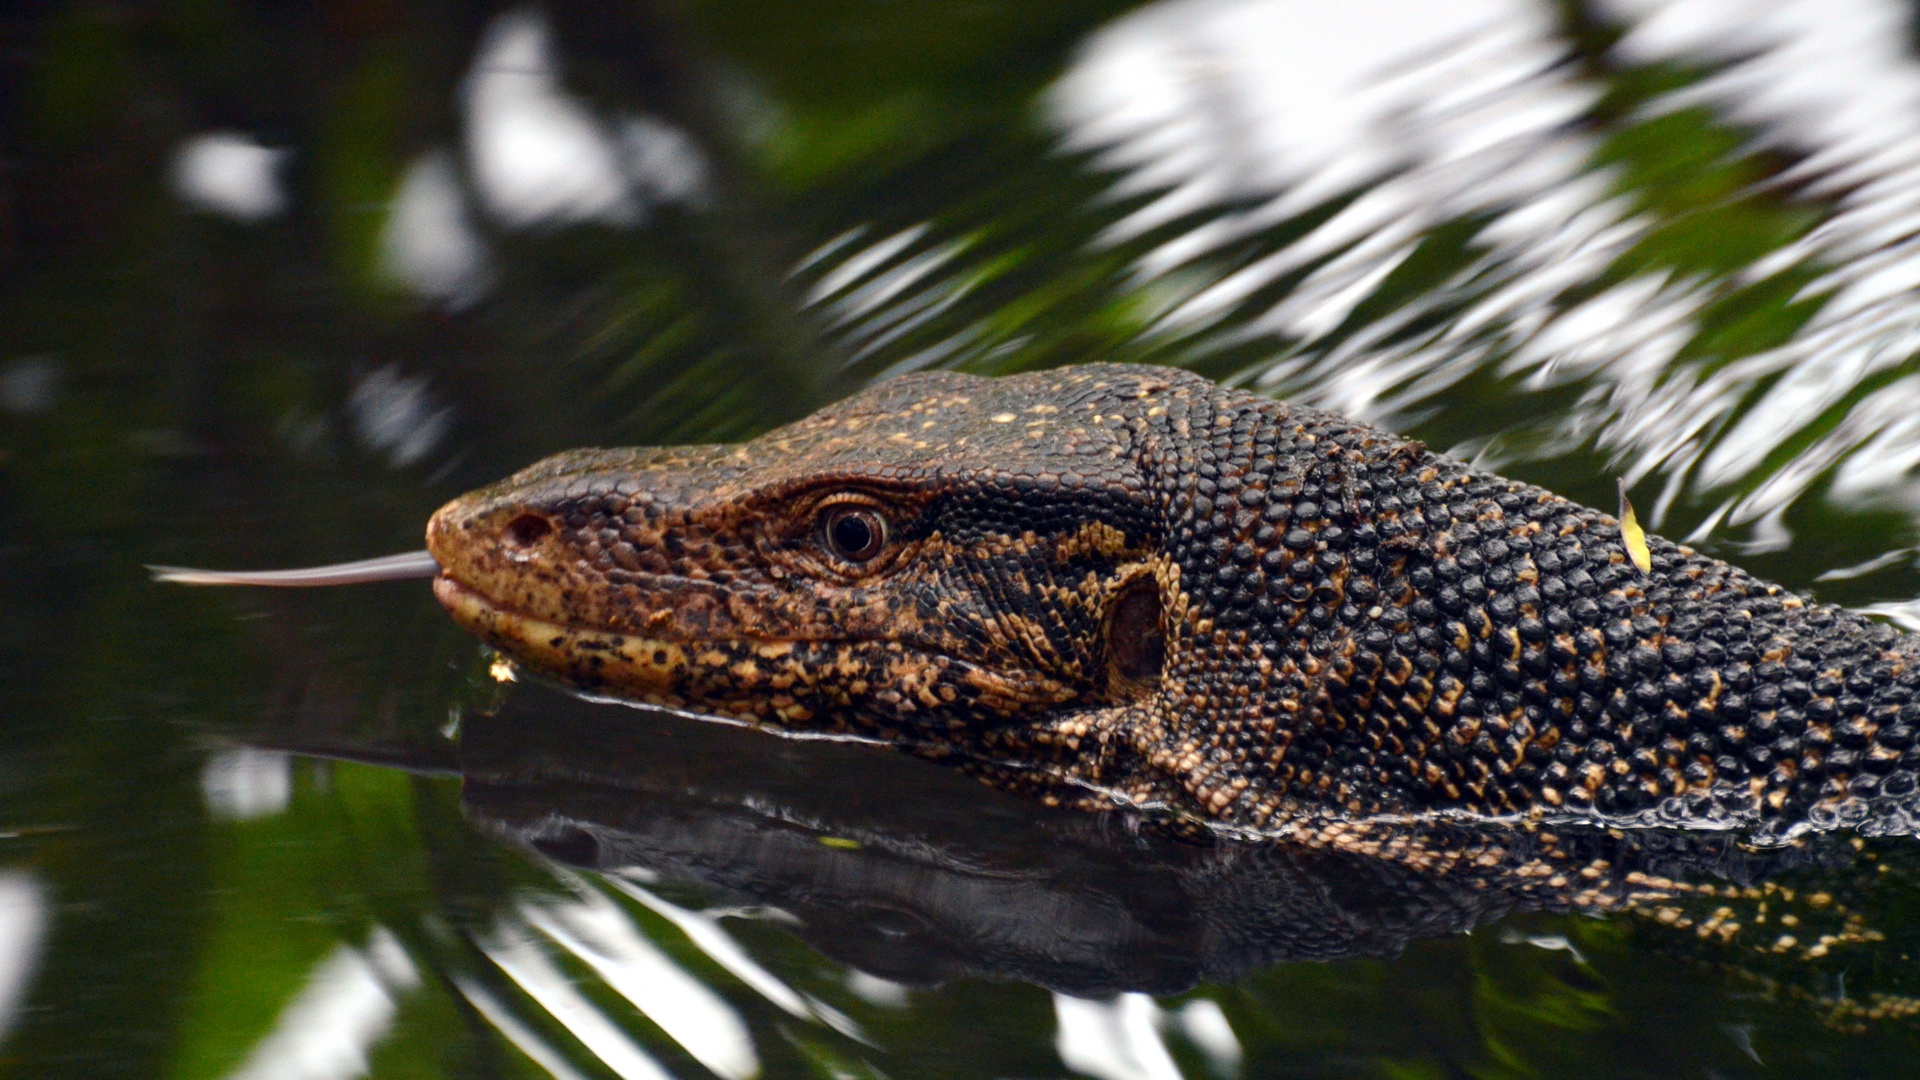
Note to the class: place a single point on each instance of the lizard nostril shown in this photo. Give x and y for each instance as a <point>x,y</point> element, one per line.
<point>527,530</point>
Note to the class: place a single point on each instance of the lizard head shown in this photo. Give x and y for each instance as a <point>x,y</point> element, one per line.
<point>928,562</point>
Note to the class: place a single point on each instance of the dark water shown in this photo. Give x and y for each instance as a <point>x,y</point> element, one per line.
<point>279,281</point>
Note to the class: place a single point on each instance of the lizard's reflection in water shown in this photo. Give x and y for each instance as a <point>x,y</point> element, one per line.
<point>915,874</point>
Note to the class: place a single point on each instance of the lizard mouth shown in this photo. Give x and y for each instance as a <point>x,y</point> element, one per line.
<point>471,608</point>
<point>509,627</point>
<point>543,642</point>
<point>794,684</point>
<point>673,673</point>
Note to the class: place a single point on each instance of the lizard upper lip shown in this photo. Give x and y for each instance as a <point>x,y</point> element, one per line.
<point>465,601</point>
<point>499,622</point>
<point>456,595</point>
<point>451,591</point>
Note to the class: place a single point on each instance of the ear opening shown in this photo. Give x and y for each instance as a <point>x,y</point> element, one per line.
<point>1136,644</point>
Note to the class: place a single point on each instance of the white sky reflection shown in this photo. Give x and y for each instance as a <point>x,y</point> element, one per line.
<point>348,1004</point>
<point>23,929</point>
<point>428,245</point>
<point>524,1038</point>
<point>398,414</point>
<point>542,157</point>
<point>1448,109</point>
<point>240,783</point>
<point>707,934</point>
<point>1205,1025</point>
<point>1437,109</point>
<point>228,173</point>
<point>538,155</point>
<point>1113,1040</point>
<point>523,961</point>
<point>600,934</point>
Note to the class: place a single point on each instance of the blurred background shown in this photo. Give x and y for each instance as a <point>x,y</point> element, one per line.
<point>276,280</point>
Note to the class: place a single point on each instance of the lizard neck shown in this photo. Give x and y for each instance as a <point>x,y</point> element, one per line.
<point>1358,626</point>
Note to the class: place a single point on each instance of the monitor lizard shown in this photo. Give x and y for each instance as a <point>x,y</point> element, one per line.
<point>1113,585</point>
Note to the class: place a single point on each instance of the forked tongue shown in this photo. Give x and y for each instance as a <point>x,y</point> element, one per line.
<point>413,564</point>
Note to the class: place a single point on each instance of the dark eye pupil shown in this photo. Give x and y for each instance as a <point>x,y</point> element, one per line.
<point>851,534</point>
<point>855,534</point>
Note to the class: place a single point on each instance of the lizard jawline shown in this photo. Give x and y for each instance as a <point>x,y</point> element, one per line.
<point>625,666</point>
<point>670,672</point>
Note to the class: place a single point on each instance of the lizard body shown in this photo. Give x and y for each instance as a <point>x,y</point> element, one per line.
<point>1118,585</point>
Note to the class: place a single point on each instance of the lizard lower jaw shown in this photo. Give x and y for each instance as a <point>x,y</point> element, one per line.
<point>789,683</point>
<point>640,668</point>
<point>652,671</point>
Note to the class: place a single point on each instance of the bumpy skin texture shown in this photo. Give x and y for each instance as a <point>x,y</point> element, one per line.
<point>1127,585</point>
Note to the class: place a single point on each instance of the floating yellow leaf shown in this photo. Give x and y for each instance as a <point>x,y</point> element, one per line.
<point>1632,535</point>
<point>840,842</point>
<point>502,670</point>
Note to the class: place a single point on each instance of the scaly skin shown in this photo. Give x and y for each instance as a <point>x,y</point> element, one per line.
<point>1117,585</point>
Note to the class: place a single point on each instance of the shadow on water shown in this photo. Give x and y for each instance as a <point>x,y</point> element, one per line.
<point>916,880</point>
<point>919,876</point>
<point>278,282</point>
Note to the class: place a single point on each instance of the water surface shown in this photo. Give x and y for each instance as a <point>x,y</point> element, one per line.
<point>278,283</point>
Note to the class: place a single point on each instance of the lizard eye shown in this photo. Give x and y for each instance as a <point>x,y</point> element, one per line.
<point>854,533</point>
